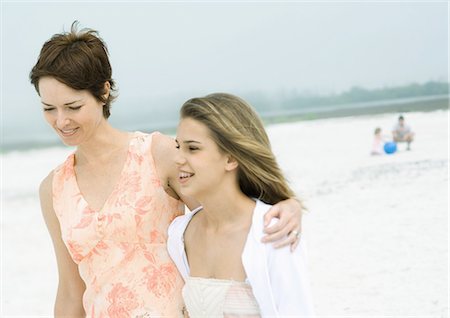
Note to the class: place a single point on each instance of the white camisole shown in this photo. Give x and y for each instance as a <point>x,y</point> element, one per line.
<point>209,297</point>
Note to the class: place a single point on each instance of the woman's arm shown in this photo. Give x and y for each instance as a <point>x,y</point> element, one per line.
<point>288,228</point>
<point>70,286</point>
<point>288,211</point>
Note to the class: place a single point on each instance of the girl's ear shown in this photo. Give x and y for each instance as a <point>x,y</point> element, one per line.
<point>231,163</point>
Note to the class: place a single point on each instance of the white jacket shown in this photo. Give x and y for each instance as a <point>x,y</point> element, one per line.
<point>279,278</point>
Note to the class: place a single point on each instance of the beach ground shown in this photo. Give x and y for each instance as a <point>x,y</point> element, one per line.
<point>376,229</point>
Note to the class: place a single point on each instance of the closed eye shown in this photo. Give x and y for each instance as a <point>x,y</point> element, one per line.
<point>75,107</point>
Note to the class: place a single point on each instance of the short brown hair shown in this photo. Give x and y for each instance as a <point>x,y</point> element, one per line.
<point>78,59</point>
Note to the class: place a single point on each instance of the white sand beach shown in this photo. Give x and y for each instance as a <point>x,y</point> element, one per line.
<point>376,230</point>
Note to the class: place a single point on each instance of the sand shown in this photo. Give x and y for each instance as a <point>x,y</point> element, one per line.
<point>376,230</point>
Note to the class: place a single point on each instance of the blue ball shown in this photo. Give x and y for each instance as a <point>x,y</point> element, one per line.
<point>390,147</point>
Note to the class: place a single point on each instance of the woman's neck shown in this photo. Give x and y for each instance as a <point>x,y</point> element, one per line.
<point>106,142</point>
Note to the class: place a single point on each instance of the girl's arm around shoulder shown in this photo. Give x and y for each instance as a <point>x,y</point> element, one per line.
<point>70,286</point>
<point>288,272</point>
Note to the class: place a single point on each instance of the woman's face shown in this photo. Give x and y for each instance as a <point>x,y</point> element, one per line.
<point>202,166</point>
<point>73,114</point>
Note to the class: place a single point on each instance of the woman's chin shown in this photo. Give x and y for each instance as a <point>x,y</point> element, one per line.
<point>69,142</point>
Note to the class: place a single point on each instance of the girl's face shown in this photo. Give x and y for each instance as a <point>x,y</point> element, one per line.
<point>73,114</point>
<point>202,167</point>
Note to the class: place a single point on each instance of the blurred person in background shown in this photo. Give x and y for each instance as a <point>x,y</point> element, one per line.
<point>378,142</point>
<point>401,132</point>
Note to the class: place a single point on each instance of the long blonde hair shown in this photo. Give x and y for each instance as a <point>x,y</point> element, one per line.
<point>237,130</point>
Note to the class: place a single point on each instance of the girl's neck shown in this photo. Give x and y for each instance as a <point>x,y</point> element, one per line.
<point>227,207</point>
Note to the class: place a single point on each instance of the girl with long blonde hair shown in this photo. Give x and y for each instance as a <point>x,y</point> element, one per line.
<point>226,163</point>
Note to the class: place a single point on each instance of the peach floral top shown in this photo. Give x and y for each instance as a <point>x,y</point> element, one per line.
<point>121,249</point>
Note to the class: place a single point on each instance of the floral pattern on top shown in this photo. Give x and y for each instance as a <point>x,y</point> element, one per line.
<point>121,249</point>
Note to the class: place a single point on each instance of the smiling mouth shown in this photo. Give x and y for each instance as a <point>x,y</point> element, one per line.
<point>67,132</point>
<point>183,176</point>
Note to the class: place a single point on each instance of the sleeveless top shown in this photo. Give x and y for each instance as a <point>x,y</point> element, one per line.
<point>208,297</point>
<point>121,249</point>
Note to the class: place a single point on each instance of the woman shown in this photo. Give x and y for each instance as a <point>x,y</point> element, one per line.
<point>226,163</point>
<point>109,205</point>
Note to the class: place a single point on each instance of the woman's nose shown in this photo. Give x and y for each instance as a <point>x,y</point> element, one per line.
<point>62,120</point>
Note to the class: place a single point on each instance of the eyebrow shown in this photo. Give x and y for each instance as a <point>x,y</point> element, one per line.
<point>188,141</point>
<point>66,104</point>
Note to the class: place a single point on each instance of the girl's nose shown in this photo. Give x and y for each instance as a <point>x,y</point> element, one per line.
<point>179,159</point>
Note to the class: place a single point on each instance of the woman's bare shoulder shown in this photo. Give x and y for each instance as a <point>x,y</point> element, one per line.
<point>46,194</point>
<point>163,143</point>
<point>163,151</point>
<point>46,184</point>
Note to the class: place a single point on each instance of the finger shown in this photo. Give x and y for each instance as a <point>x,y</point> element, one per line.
<point>295,244</point>
<point>298,227</point>
<point>273,212</point>
<point>298,221</point>
<point>281,225</point>
<point>296,224</point>
<point>280,234</point>
<point>289,240</point>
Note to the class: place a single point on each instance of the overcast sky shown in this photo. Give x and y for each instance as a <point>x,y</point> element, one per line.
<point>186,49</point>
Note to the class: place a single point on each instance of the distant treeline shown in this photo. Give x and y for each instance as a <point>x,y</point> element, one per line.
<point>354,95</point>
